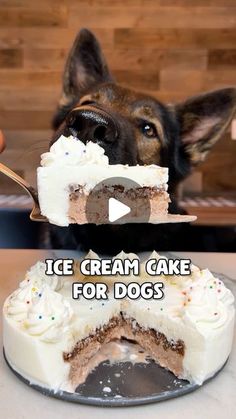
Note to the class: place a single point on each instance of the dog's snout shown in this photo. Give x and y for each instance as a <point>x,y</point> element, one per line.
<point>92,124</point>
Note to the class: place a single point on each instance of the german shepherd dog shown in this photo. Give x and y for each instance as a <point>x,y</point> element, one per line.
<point>134,128</point>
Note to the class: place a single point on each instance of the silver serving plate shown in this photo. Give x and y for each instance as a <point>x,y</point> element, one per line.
<point>122,384</point>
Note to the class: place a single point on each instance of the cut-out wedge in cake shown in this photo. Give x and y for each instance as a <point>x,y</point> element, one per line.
<point>76,182</point>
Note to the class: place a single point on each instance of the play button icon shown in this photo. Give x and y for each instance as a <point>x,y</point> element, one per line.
<point>118,200</point>
<point>116,209</point>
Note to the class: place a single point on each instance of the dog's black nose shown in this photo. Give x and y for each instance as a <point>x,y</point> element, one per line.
<point>88,123</point>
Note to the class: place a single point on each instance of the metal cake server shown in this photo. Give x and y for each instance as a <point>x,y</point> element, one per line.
<point>35,214</point>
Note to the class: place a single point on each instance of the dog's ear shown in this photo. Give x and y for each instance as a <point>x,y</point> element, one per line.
<point>85,67</point>
<point>203,119</point>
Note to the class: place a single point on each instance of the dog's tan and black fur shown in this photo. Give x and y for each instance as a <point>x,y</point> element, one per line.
<point>138,130</point>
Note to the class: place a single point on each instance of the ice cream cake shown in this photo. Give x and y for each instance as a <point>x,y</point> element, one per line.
<point>51,339</point>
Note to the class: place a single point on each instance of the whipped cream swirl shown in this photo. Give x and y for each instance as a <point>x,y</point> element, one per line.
<point>37,277</point>
<point>207,302</point>
<point>30,288</point>
<point>49,316</point>
<point>20,301</point>
<point>70,151</point>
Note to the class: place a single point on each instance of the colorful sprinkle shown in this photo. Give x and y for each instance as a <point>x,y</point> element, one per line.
<point>215,314</point>
<point>40,317</point>
<point>27,302</point>
<point>66,153</point>
<point>33,289</point>
<point>53,318</point>
<point>161,309</point>
<point>189,299</point>
<point>218,290</point>
<point>40,295</point>
<point>184,292</point>
<point>211,286</point>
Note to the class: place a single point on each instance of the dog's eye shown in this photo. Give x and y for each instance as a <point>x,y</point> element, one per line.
<point>148,129</point>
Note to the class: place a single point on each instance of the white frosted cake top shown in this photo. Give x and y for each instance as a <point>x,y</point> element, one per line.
<point>197,309</point>
<point>69,152</point>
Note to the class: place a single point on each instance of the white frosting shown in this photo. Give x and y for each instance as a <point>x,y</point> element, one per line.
<point>197,309</point>
<point>71,162</point>
<point>19,302</point>
<point>69,151</point>
<point>30,288</point>
<point>92,255</point>
<point>209,303</point>
<point>37,277</point>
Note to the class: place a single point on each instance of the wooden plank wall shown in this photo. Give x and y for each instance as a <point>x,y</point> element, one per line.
<point>171,48</point>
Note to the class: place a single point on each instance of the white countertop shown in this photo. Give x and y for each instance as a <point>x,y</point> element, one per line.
<point>213,400</point>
